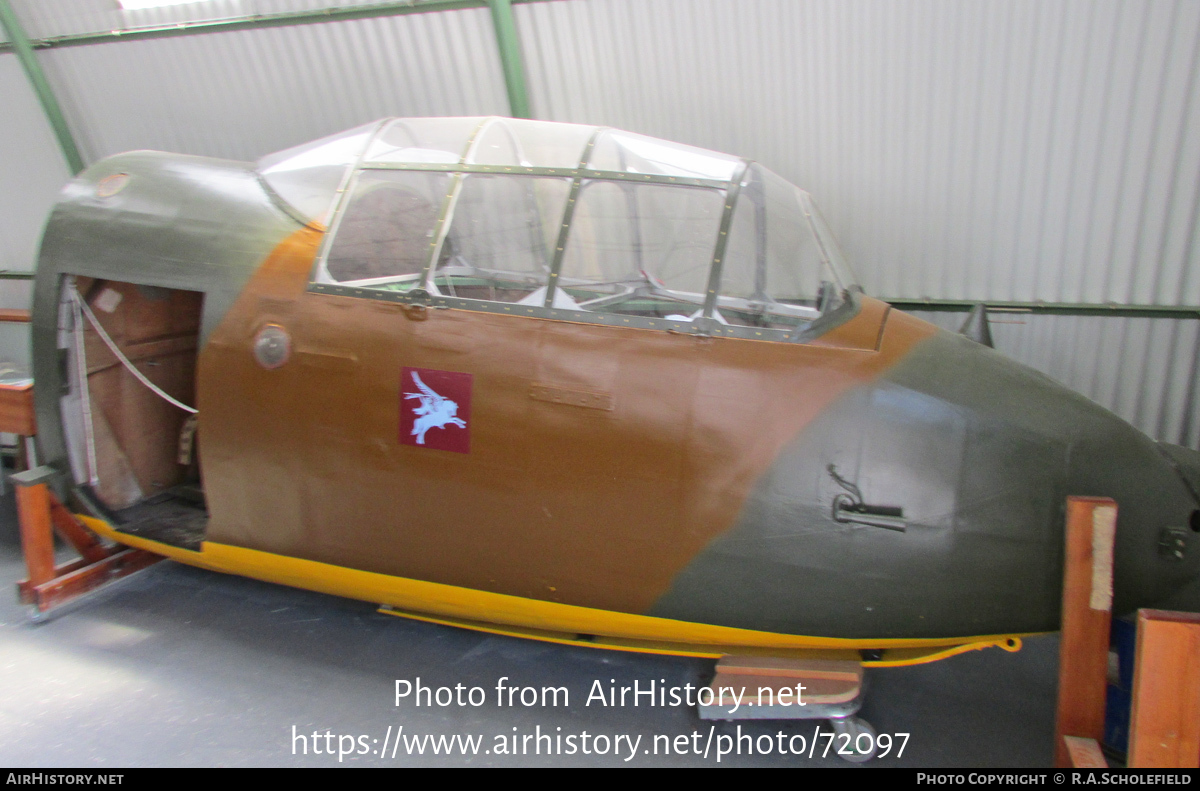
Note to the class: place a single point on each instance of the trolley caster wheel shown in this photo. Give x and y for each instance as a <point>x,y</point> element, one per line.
<point>862,737</point>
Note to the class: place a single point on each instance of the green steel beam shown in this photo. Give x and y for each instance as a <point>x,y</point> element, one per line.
<point>37,78</point>
<point>1054,308</point>
<point>510,57</point>
<point>260,21</point>
<point>501,12</point>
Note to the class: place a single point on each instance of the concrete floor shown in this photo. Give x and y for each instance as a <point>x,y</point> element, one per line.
<point>182,667</point>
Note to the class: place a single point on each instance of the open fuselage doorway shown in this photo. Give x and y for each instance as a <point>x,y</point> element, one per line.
<point>131,441</point>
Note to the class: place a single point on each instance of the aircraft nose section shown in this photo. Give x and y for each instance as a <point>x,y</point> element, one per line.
<point>931,502</point>
<point>1157,548</point>
<point>1071,446</point>
<point>1187,464</point>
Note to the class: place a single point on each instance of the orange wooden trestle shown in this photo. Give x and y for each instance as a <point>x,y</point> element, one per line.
<point>1164,725</point>
<point>41,515</point>
<point>1086,620</point>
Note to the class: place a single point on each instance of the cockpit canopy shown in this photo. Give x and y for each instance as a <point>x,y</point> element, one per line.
<point>562,216</point>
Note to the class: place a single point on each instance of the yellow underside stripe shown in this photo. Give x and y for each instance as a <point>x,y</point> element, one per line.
<point>468,606</point>
<point>892,657</point>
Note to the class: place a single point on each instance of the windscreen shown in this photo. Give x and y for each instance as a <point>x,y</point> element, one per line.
<point>574,217</point>
<point>780,268</point>
<point>308,176</point>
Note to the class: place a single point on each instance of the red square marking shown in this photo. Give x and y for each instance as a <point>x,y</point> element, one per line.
<point>435,409</point>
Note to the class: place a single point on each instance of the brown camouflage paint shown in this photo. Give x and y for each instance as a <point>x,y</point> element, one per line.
<point>597,499</point>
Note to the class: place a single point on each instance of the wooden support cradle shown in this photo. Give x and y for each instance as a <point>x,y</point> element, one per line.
<point>50,585</point>
<point>1086,619</point>
<point>1164,728</point>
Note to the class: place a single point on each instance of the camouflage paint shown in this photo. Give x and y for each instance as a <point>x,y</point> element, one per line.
<point>617,468</point>
<point>980,452</point>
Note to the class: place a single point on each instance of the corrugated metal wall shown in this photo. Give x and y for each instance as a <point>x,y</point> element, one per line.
<point>32,170</point>
<point>996,149</point>
<point>1008,150</point>
<point>245,93</point>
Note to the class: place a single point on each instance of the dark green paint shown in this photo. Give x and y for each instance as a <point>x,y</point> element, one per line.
<point>981,453</point>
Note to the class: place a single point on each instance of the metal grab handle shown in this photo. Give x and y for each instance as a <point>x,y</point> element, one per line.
<point>888,517</point>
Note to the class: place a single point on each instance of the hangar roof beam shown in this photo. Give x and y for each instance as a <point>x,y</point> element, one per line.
<point>283,19</point>
<point>37,78</point>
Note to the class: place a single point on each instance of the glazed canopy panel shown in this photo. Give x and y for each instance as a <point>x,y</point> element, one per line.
<point>308,176</point>
<point>564,217</point>
<point>780,254</point>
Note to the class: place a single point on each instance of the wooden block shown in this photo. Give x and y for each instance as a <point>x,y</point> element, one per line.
<point>765,690</point>
<point>16,315</point>
<point>1085,753</point>
<point>1086,616</point>
<point>838,669</point>
<point>1164,725</point>
<point>16,410</point>
<point>37,542</point>
<point>760,680</point>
